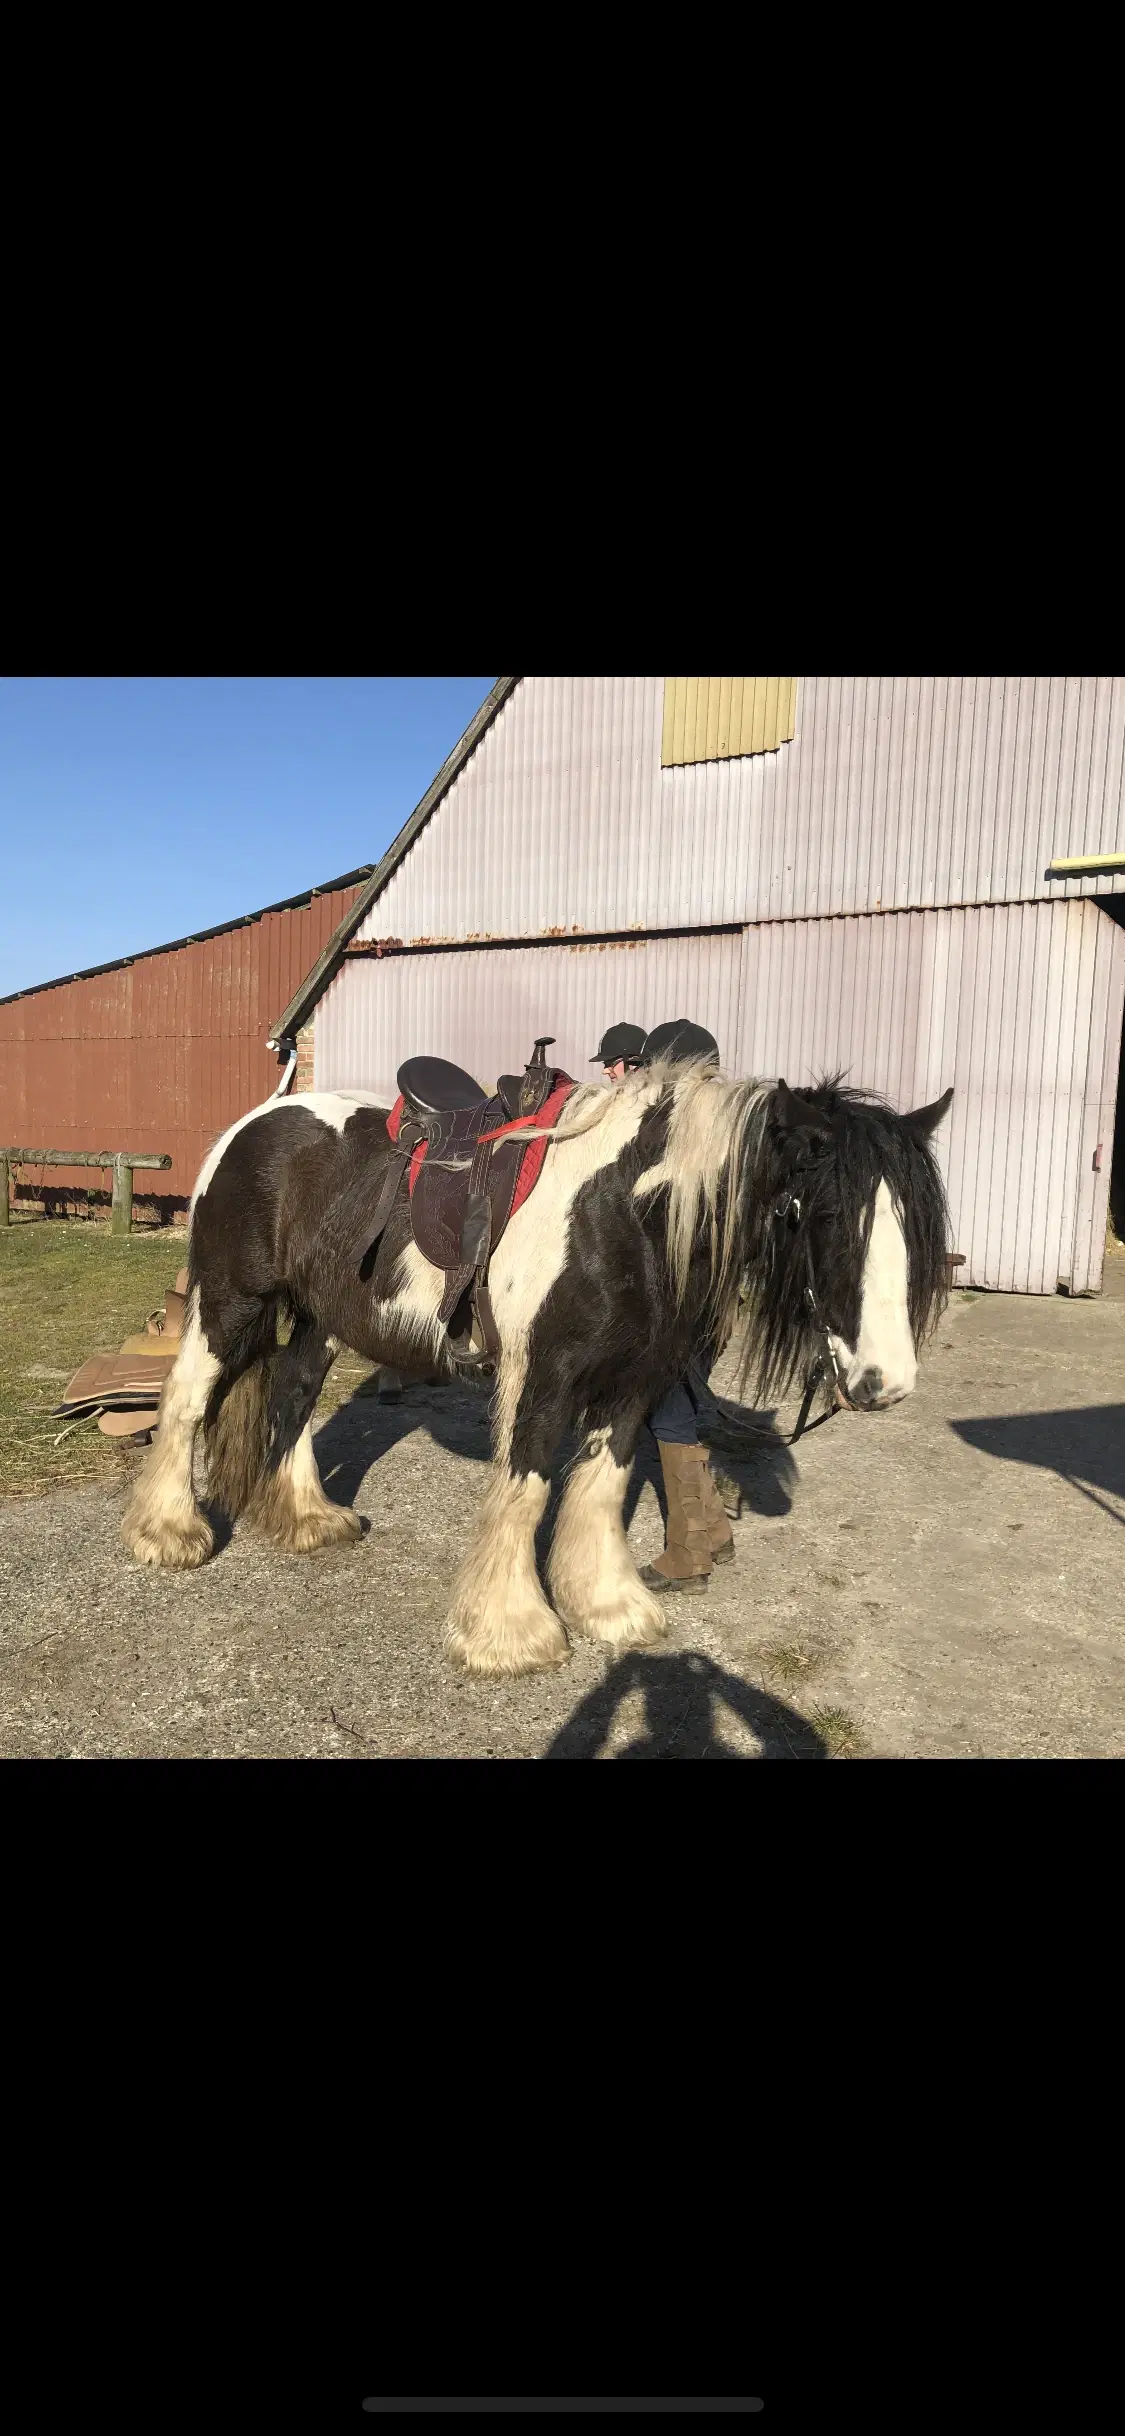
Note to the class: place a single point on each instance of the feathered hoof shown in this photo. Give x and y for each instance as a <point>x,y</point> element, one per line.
<point>305,1533</point>
<point>506,1645</point>
<point>634,1621</point>
<point>182,1545</point>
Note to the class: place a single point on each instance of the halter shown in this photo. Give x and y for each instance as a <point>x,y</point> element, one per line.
<point>826,1369</point>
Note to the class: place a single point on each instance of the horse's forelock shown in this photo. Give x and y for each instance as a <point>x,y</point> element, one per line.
<point>874,1143</point>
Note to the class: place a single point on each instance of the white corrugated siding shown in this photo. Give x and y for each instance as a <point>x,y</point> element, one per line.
<point>1018,1006</point>
<point>895,792</point>
<point>484,1009</point>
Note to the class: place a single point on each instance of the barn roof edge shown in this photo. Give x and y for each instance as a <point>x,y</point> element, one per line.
<point>316,981</point>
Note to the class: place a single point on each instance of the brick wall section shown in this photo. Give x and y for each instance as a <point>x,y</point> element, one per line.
<point>303,1078</point>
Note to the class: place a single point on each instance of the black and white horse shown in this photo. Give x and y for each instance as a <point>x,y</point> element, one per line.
<point>653,1227</point>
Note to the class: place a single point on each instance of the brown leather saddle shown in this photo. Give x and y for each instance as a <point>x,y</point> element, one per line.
<point>468,1164</point>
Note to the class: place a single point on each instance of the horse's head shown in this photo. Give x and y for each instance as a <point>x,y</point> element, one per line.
<point>871,1237</point>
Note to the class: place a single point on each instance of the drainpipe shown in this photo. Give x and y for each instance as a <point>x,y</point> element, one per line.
<point>291,1068</point>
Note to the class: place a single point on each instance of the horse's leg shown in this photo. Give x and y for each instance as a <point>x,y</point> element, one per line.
<point>289,1503</point>
<point>594,1582</point>
<point>500,1622</point>
<point>163,1524</point>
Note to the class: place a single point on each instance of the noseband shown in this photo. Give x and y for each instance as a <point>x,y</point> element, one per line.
<point>825,1371</point>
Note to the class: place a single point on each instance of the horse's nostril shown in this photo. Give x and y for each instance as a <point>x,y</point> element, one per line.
<point>868,1387</point>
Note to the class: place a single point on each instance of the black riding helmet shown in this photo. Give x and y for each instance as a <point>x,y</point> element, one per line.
<point>680,1041</point>
<point>624,1040</point>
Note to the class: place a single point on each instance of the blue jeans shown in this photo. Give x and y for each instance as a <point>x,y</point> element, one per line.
<point>673,1419</point>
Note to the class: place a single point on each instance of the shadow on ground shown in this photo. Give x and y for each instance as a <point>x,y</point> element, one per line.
<point>359,1433</point>
<point>684,1694</point>
<point>1086,1447</point>
<point>752,1453</point>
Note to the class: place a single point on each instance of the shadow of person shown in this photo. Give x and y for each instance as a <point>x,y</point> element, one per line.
<point>682,1691</point>
<point>1085,1446</point>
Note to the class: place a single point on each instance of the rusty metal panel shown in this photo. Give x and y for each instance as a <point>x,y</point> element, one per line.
<point>894,793</point>
<point>161,1054</point>
<point>485,1008</point>
<point>1019,1007</point>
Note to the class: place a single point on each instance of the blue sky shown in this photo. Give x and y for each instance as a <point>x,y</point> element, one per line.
<point>135,809</point>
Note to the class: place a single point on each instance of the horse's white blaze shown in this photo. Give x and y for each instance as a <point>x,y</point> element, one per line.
<point>332,1107</point>
<point>882,1367</point>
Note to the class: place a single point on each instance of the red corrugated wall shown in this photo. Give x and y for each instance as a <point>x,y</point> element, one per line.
<point>161,1054</point>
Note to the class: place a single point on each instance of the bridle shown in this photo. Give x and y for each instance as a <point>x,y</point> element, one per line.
<point>825,1371</point>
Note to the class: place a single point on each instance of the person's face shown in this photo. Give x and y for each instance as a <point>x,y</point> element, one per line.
<point>616,1072</point>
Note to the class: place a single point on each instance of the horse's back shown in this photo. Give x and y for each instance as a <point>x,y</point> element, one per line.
<point>330,1113</point>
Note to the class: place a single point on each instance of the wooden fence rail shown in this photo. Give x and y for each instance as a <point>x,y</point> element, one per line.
<point>121,1161</point>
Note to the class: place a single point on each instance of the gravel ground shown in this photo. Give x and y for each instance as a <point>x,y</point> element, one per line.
<point>939,1581</point>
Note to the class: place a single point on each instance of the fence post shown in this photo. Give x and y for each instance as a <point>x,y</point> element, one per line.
<point>121,1205</point>
<point>3,1192</point>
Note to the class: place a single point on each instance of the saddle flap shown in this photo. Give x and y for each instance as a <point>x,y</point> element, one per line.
<point>432,1085</point>
<point>476,1231</point>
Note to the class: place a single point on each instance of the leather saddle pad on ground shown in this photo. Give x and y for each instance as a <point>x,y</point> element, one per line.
<point>127,1385</point>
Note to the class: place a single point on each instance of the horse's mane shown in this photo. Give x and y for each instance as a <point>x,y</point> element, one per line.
<point>714,1131</point>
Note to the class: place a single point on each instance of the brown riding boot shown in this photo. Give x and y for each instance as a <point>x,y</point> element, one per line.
<point>721,1537</point>
<point>686,1562</point>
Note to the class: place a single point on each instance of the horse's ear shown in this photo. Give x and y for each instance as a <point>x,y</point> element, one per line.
<point>794,1115</point>
<point>925,1121</point>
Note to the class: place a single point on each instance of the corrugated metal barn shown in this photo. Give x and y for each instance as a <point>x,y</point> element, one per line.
<point>829,872</point>
<point>159,1051</point>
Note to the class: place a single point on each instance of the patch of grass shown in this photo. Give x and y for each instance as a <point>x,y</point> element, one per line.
<point>792,1662</point>
<point>349,1376</point>
<point>68,1289</point>
<point>840,1733</point>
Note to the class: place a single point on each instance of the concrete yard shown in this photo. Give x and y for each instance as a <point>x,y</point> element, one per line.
<point>940,1581</point>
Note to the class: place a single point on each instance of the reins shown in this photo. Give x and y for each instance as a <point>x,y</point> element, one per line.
<point>825,1371</point>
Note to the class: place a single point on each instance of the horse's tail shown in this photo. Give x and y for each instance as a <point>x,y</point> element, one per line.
<point>237,1425</point>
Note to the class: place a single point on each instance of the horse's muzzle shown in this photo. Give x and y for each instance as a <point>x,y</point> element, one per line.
<point>870,1393</point>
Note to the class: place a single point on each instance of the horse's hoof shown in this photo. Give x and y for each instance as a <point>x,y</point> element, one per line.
<point>313,1531</point>
<point>724,1555</point>
<point>629,1622</point>
<point>181,1549</point>
<point>498,1649</point>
